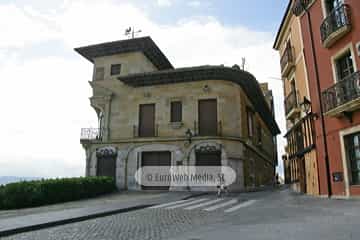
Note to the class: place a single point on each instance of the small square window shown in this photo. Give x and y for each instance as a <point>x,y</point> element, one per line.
<point>115,69</point>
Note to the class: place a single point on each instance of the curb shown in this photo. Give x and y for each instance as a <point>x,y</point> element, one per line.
<point>69,220</point>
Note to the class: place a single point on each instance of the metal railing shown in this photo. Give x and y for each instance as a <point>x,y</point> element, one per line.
<point>298,7</point>
<point>138,133</point>
<point>337,19</point>
<point>287,57</point>
<point>92,134</point>
<point>291,101</point>
<point>342,92</point>
<point>208,132</point>
<point>301,137</point>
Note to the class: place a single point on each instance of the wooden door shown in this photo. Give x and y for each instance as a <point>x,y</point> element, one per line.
<point>302,174</point>
<point>147,120</point>
<point>106,166</point>
<point>208,117</point>
<point>156,159</point>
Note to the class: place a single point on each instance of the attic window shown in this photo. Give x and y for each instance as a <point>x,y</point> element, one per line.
<point>115,69</point>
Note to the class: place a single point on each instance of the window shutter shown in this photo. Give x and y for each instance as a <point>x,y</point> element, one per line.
<point>176,111</point>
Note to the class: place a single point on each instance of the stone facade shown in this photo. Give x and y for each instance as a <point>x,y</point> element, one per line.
<point>117,106</point>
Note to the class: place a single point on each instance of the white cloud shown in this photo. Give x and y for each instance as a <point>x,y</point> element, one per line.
<point>164,3</point>
<point>19,26</point>
<point>46,99</point>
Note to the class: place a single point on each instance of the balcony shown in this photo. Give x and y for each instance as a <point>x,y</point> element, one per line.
<point>292,107</point>
<point>287,60</point>
<point>299,5</point>
<point>145,132</point>
<point>92,134</point>
<point>335,26</point>
<point>300,138</point>
<point>342,97</point>
<point>207,130</point>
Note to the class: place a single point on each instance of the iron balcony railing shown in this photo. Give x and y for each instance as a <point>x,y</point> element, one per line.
<point>287,58</point>
<point>342,92</point>
<point>300,138</point>
<point>291,101</point>
<point>92,134</point>
<point>338,18</point>
<point>299,5</point>
<point>137,132</point>
<point>200,131</point>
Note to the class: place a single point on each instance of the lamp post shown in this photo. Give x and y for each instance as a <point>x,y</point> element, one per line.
<point>189,134</point>
<point>306,106</point>
<point>323,128</point>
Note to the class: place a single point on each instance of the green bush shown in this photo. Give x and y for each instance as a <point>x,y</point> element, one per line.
<point>50,191</point>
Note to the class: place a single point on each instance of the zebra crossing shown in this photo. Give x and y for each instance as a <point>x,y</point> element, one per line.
<point>227,205</point>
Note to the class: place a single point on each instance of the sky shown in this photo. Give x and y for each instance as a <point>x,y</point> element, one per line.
<point>44,82</point>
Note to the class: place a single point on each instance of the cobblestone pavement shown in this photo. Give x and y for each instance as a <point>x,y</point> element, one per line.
<point>109,198</point>
<point>275,215</point>
<point>142,224</point>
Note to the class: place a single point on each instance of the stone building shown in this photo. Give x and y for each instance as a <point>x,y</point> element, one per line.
<point>151,113</point>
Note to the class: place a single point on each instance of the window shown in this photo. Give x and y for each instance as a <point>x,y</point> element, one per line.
<point>176,111</point>
<point>332,4</point>
<point>344,66</point>
<point>352,146</point>
<point>115,69</point>
<point>259,133</point>
<point>250,122</point>
<point>99,74</point>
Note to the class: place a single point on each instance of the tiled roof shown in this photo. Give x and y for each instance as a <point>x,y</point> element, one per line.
<point>144,44</point>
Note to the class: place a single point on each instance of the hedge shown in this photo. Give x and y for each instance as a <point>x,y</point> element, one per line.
<point>49,191</point>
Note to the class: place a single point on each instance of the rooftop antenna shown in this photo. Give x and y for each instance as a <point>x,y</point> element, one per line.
<point>130,32</point>
<point>243,61</point>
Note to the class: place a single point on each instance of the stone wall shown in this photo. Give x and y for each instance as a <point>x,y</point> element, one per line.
<point>120,105</point>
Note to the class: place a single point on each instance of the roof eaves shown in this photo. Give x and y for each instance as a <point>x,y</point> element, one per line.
<point>283,21</point>
<point>246,80</point>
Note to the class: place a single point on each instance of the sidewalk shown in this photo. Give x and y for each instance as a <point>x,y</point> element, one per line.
<point>43,217</point>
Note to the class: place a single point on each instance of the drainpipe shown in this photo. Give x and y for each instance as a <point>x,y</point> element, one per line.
<point>323,128</point>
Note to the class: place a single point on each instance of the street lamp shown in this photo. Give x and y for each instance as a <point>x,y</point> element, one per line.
<point>189,134</point>
<point>306,105</point>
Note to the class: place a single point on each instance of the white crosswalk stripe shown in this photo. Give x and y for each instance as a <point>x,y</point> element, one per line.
<point>171,203</point>
<point>228,205</point>
<point>221,205</point>
<point>187,203</point>
<point>241,205</point>
<point>203,204</point>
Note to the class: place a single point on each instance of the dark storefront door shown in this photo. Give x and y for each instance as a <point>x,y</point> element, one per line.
<point>208,159</point>
<point>106,166</point>
<point>147,120</point>
<point>156,159</point>
<point>208,117</point>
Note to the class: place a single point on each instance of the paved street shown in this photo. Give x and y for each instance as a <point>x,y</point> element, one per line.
<point>262,215</point>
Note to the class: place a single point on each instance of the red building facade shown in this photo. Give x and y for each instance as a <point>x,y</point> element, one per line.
<point>331,37</point>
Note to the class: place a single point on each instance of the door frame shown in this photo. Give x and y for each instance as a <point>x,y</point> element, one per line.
<point>217,113</point>
<point>139,119</point>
